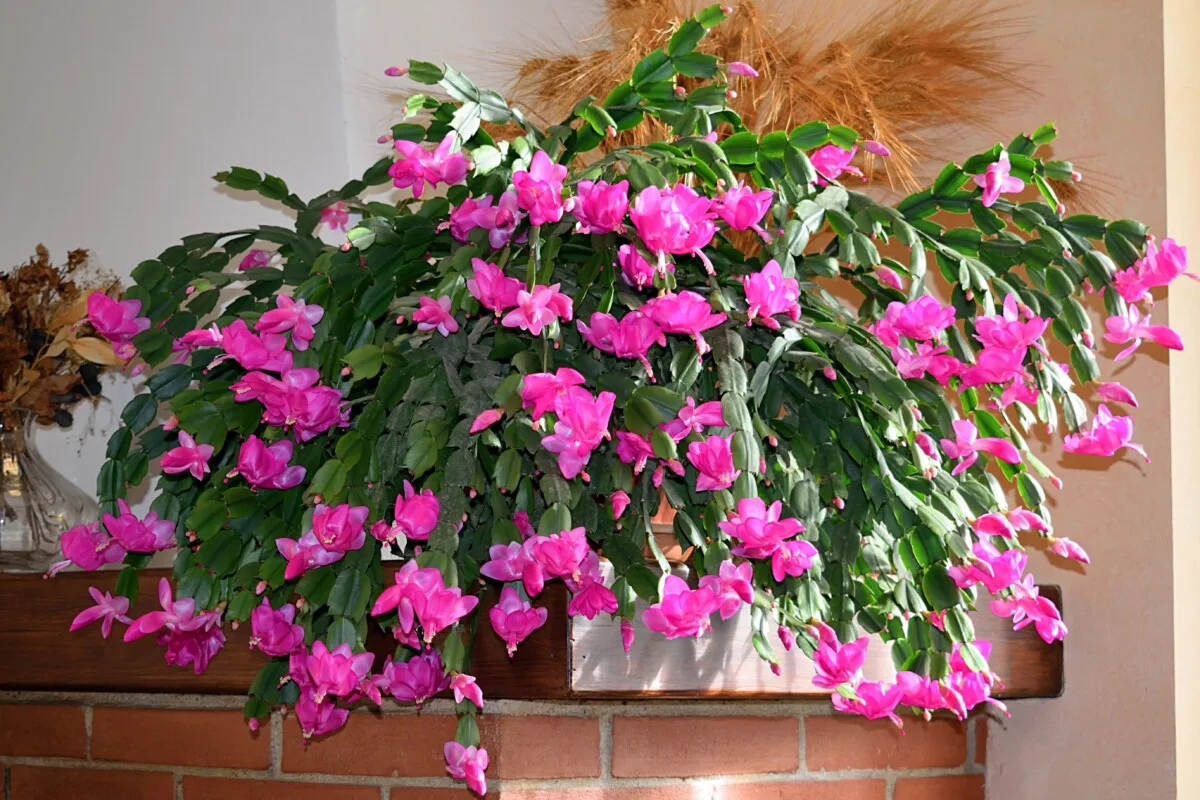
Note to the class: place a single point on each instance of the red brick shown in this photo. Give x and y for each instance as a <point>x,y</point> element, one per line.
<point>178,738</point>
<point>548,747</point>
<point>195,788</point>
<point>981,737</point>
<point>953,787</point>
<point>390,745</point>
<point>42,731</point>
<point>802,790</point>
<point>688,746</point>
<point>49,783</point>
<point>680,792</point>
<point>836,743</point>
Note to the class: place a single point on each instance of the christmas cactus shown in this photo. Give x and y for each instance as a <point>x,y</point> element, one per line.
<point>494,386</point>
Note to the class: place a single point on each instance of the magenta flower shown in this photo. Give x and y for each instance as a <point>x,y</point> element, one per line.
<point>877,148</point>
<point>836,663</point>
<point>319,718</point>
<point>1065,548</point>
<point>626,635</point>
<point>338,671</point>
<point>1026,606</point>
<point>928,359</point>
<point>733,585</point>
<point>540,391</point>
<point>187,456</point>
<point>340,527</point>
<point>634,449</point>
<point>741,69</point>
<point>442,607</point>
<point>465,688</point>
<point>304,554</point>
<point>336,216</point>
<point>539,190</point>
<point>1105,435</point>
<point>513,619</point>
<point>536,310</point>
<point>994,525</point>
<point>995,365</point>
<point>291,315</point>
<point>1131,285</point>
<point>675,220</point>
<point>995,570</point>
<point>465,217</point>
<point>407,596</point>
<point>266,466</point>
<point>193,340</point>
<point>193,646</point>
<point>562,555</point>
<point>582,424</point>
<point>115,320</point>
<point>1017,328</point>
<point>467,764</point>
<point>147,535</point>
<point>175,614</point>
<point>874,700</point>
<point>742,208</point>
<point>415,515</point>
<point>417,167</point>
<point>492,288</point>
<point>274,632</point>
<point>514,562</point>
<point>254,259</point>
<point>619,500</point>
<point>599,206</point>
<point>416,680</point>
<point>107,609</point>
<point>831,161</point>
<point>434,315</point>
<point>714,459</point>
<point>1134,328</point>
<point>592,598</point>
<point>684,313</point>
<point>500,220</point>
<point>1161,266</point>
<point>922,319</point>
<point>769,293</point>
<point>694,418</point>
<point>889,277</point>
<point>1115,393</point>
<point>1025,520</point>
<point>966,687</point>
<point>635,270</point>
<point>997,181</point>
<point>88,547</point>
<point>682,612</point>
<point>967,445</point>
<point>631,337</point>
<point>758,528</point>
<point>254,352</point>
<point>793,558</point>
<point>486,419</point>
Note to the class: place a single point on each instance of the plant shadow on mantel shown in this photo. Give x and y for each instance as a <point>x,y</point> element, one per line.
<point>495,385</point>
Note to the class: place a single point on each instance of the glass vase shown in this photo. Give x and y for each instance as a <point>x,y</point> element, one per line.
<point>36,502</point>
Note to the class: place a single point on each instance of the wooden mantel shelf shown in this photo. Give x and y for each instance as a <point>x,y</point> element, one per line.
<point>38,653</point>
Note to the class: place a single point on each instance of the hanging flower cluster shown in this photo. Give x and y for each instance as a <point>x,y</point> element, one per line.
<point>497,387</point>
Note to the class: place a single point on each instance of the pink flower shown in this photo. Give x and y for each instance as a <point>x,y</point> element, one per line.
<point>927,446</point>
<point>619,500</point>
<point>465,688</point>
<point>1026,606</point>
<point>266,466</point>
<point>758,528</point>
<point>442,607</point>
<point>536,310</point>
<point>189,638</point>
<point>1104,436</point>
<point>319,718</point>
<point>997,180</point>
<point>966,688</point>
<point>435,315</point>
<point>889,277</point>
<point>714,459</point>
<point>742,208</point>
<point>626,635</point>
<point>486,419</point>
<point>733,585</point>
<point>769,293</point>
<point>874,700</point>
<point>500,220</point>
<point>465,217</point>
<point>193,340</point>
<point>561,555</point>
<point>416,680</point>
<point>273,631</point>
<point>995,570</point>
<point>1017,328</point>
<point>921,319</point>
<point>600,207</point>
<point>415,515</point>
<point>1131,285</point>
<point>927,359</point>
<point>336,216</point>
<point>1160,267</point>
<point>994,365</point>
<point>338,671</point>
<point>1115,393</point>
<point>407,596</point>
<point>253,352</point>
<point>635,270</point>
<point>793,558</point>
<point>117,321</point>
<point>631,337</point>
<point>1134,328</point>
<point>634,449</point>
<point>877,148</point>
<point>831,161</point>
<point>592,598</point>
<point>836,663</point>
<point>684,313</point>
<point>582,424</point>
<point>994,525</point>
<point>1025,520</point>
<point>291,315</point>
<point>1065,548</point>
<point>147,535</point>
<point>254,259</point>
<point>340,527</point>
<point>304,554</point>
<point>675,220</point>
<point>540,391</point>
<point>514,562</point>
<point>967,445</point>
<point>88,547</point>
<point>416,166</point>
<point>539,190</point>
<point>187,457</point>
<point>492,288</point>
<point>741,69</point>
<point>467,764</point>
<point>786,637</point>
<point>681,612</point>
<point>513,619</point>
<point>107,609</point>
<point>694,418</point>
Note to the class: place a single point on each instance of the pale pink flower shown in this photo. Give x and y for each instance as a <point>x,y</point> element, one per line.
<point>254,259</point>
<point>434,315</point>
<point>769,293</point>
<point>539,190</point>
<point>491,287</point>
<point>187,456</point>
<point>266,466</point>
<point>304,554</point>
<point>467,764</point>
<point>513,619</point>
<point>635,270</point>
<point>599,206</point>
<point>1133,327</point>
<point>582,424</point>
<point>997,181</point>
<point>107,609</point>
<point>273,631</point>
<point>291,315</point>
<point>336,216</point>
<point>995,570</point>
<point>836,663</point>
<point>88,547</point>
<point>116,320</point>
<point>538,309</point>
<point>540,391</point>
<point>1114,392</point>
<point>486,419</point>
<point>742,208</point>
<point>967,444</point>
<point>682,612</point>
<point>147,535</point>
<point>465,688</point>
<point>874,700</point>
<point>733,585</point>
<point>831,161</point>
<point>675,220</point>
<point>713,458</point>
<point>1105,435</point>
<point>1065,548</point>
<point>630,337</point>
<point>684,313</point>
<point>694,418</point>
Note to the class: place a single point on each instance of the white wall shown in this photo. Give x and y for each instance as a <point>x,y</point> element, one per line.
<point>116,115</point>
